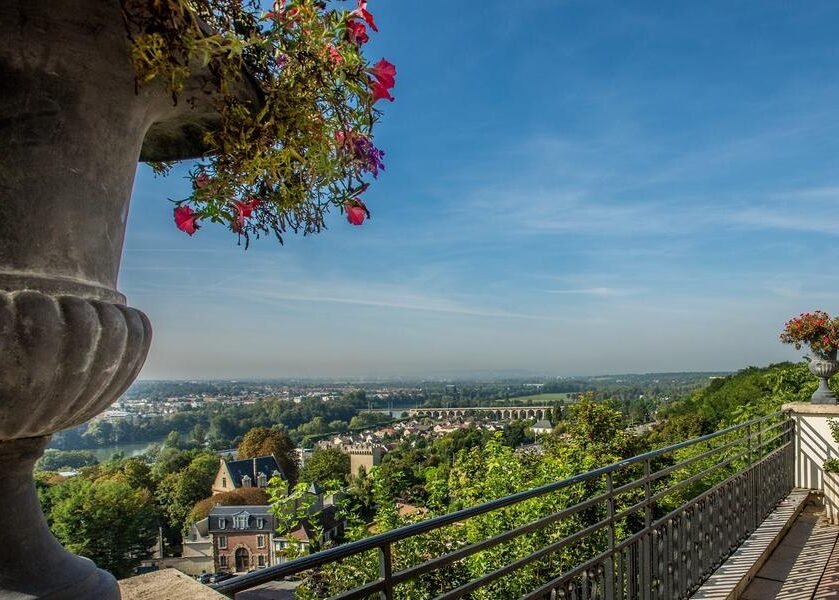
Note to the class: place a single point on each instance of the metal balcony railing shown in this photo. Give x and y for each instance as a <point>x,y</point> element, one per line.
<point>652,527</point>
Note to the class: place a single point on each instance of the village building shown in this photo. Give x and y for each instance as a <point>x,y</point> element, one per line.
<point>249,472</point>
<point>197,552</point>
<point>542,427</point>
<point>242,538</point>
<point>364,455</point>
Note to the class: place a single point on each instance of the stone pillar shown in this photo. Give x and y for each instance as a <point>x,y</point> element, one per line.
<point>813,445</point>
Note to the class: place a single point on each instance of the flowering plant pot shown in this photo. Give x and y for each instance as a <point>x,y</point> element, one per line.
<point>279,161</point>
<point>821,333</point>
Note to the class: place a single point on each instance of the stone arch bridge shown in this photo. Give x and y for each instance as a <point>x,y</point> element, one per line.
<point>499,413</point>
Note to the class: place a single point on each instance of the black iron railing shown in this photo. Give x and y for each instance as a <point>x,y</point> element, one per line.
<point>652,527</point>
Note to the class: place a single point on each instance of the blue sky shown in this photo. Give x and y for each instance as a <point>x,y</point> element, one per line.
<point>571,188</point>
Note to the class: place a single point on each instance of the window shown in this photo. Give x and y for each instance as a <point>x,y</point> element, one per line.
<point>222,523</point>
<point>246,481</point>
<point>222,542</point>
<point>260,560</point>
<point>260,522</point>
<point>241,521</point>
<point>222,561</point>
<point>261,480</point>
<point>260,541</point>
<point>224,482</point>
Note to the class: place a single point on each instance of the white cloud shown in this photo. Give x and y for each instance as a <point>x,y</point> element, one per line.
<point>603,292</point>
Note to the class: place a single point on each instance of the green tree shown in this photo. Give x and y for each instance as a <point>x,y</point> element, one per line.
<point>326,464</point>
<point>518,432</point>
<point>198,435</point>
<point>108,522</point>
<point>138,473</point>
<point>170,460</point>
<point>264,441</point>
<point>57,460</point>
<point>173,440</point>
<point>178,492</point>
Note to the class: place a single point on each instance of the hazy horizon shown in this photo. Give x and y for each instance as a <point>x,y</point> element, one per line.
<point>571,188</point>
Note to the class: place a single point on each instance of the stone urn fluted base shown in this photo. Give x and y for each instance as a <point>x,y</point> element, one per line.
<point>34,564</point>
<point>63,359</point>
<point>824,367</point>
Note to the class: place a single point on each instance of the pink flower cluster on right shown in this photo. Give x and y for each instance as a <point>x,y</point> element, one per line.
<point>816,329</point>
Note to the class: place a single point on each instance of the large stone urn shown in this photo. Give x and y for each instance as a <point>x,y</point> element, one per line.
<point>72,128</point>
<point>824,367</point>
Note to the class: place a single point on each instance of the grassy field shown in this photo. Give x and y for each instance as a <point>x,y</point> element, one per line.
<point>539,399</point>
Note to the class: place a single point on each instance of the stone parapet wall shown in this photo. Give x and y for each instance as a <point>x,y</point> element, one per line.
<point>813,445</point>
<point>168,584</point>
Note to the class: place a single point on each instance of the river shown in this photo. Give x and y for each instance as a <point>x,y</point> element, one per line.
<point>129,449</point>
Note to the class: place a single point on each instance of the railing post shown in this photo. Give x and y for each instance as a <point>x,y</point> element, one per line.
<point>757,479</point>
<point>647,555</point>
<point>610,565</point>
<point>749,443</point>
<point>751,480</point>
<point>386,572</point>
<point>792,450</point>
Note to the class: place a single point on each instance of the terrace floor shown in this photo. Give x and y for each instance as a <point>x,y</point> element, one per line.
<point>805,565</point>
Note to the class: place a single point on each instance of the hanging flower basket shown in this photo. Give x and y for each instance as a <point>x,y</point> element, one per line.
<point>306,145</point>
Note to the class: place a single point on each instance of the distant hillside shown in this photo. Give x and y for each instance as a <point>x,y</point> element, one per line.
<point>746,394</point>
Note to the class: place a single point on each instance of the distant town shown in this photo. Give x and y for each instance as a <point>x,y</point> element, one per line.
<point>227,477</point>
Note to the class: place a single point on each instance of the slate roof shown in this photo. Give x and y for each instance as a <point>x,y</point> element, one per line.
<point>543,424</point>
<point>252,467</point>
<point>201,529</point>
<point>229,512</point>
<point>257,510</point>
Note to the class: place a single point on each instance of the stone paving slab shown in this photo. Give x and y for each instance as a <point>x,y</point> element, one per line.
<point>794,569</point>
<point>829,585</point>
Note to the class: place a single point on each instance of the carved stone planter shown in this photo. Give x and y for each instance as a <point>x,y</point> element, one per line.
<point>824,367</point>
<point>72,127</point>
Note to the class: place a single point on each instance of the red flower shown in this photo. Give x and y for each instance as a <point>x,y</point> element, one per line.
<point>357,33</point>
<point>385,78</point>
<point>356,211</point>
<point>245,208</point>
<point>277,13</point>
<point>385,72</point>
<point>381,91</point>
<point>336,56</point>
<point>186,219</point>
<point>243,211</point>
<point>201,180</point>
<point>362,13</point>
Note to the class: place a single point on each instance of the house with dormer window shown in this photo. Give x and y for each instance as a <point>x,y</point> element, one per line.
<point>243,537</point>
<point>249,472</point>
